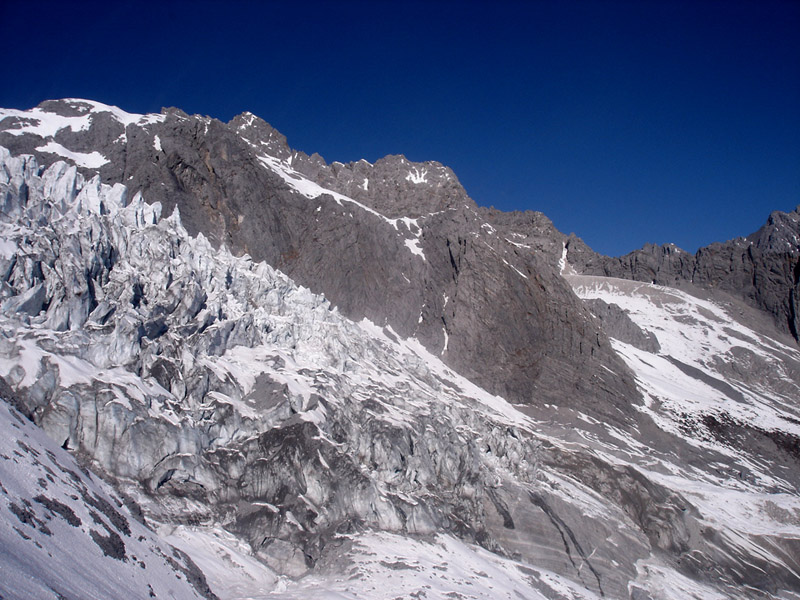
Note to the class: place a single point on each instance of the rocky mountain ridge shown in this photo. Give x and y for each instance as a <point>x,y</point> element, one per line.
<point>762,268</point>
<point>293,447</point>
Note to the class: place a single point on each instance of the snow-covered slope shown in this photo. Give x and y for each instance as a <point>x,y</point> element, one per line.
<point>710,362</point>
<point>728,385</point>
<point>66,534</point>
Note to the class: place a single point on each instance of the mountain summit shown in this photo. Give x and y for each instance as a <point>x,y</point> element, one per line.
<point>350,379</point>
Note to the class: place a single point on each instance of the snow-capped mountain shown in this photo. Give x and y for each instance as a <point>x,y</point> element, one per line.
<point>349,381</point>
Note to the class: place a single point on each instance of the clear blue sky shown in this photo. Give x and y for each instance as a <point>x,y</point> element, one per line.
<point>624,122</point>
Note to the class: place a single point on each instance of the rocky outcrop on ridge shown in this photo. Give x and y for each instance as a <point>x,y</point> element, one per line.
<point>619,326</point>
<point>762,268</point>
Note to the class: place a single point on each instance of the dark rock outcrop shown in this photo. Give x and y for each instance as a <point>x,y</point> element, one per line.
<point>619,325</point>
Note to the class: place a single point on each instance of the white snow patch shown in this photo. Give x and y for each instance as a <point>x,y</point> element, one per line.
<point>8,248</point>
<point>120,115</point>
<point>563,266</point>
<point>157,143</point>
<point>520,273</point>
<point>518,245</point>
<point>92,160</point>
<point>417,176</point>
<point>387,566</point>
<point>411,224</point>
<point>231,570</point>
<point>307,188</point>
<point>46,124</point>
<point>42,123</point>
<point>415,248</point>
<point>666,583</point>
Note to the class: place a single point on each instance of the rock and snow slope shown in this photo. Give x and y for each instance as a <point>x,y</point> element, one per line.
<point>763,269</point>
<point>710,364</point>
<point>215,390</point>
<point>723,385</point>
<point>293,451</point>
<point>66,534</point>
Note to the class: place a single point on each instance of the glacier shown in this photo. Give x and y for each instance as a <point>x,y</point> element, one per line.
<point>292,450</point>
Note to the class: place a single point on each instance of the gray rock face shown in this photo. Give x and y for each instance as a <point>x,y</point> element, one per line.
<point>618,325</point>
<point>762,268</point>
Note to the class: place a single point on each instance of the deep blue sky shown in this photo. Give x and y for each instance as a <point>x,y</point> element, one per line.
<point>624,122</point>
